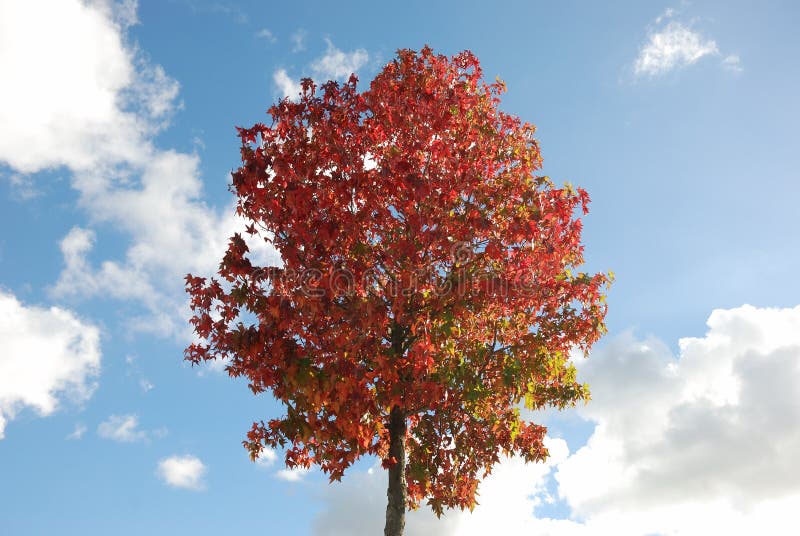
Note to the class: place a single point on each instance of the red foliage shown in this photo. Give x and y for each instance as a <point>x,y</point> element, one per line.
<point>425,267</point>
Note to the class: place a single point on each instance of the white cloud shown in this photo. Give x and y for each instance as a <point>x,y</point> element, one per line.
<point>268,458</point>
<point>298,39</point>
<point>732,63</point>
<point>705,442</point>
<point>122,428</point>
<point>23,187</point>
<point>333,64</point>
<point>509,496</point>
<point>267,34</point>
<point>287,86</point>
<point>72,89</point>
<point>152,94</point>
<point>112,279</point>
<point>507,499</point>
<point>668,13</point>
<point>47,355</point>
<point>172,232</point>
<point>217,8</point>
<point>337,64</point>
<point>672,47</point>
<point>295,474</point>
<point>124,12</point>
<point>357,505</point>
<point>83,97</point>
<point>78,277</point>
<point>146,385</point>
<point>182,472</point>
<point>78,432</point>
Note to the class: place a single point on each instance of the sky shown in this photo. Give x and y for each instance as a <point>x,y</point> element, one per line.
<point>117,141</point>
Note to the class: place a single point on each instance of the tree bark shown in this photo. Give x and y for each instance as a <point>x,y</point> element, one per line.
<point>396,493</point>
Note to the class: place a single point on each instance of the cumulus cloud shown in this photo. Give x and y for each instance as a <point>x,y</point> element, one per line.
<point>507,500</point>
<point>357,505</point>
<point>72,86</point>
<point>267,458</point>
<point>703,439</point>
<point>695,443</point>
<point>48,354</point>
<point>111,279</point>
<point>182,472</point>
<point>172,230</point>
<point>295,474</point>
<point>100,123</point>
<point>171,234</point>
<point>333,64</point>
<point>672,47</point>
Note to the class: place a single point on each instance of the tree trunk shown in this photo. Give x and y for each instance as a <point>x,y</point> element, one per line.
<point>396,507</point>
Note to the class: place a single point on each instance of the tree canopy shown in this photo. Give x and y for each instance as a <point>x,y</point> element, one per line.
<point>429,284</point>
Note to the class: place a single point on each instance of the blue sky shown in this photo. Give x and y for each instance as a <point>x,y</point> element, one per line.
<point>116,141</point>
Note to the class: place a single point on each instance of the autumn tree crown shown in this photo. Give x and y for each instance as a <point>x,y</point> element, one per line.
<point>425,267</point>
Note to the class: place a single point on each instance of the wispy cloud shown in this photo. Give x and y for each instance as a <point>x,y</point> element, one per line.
<point>218,8</point>
<point>298,39</point>
<point>22,186</point>
<point>338,64</point>
<point>333,64</point>
<point>267,35</point>
<point>122,428</point>
<point>125,429</point>
<point>77,433</point>
<point>146,385</point>
<point>669,12</point>
<point>732,63</point>
<point>672,47</point>
<point>133,370</point>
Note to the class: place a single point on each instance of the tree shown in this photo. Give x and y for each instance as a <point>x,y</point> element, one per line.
<point>427,287</point>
